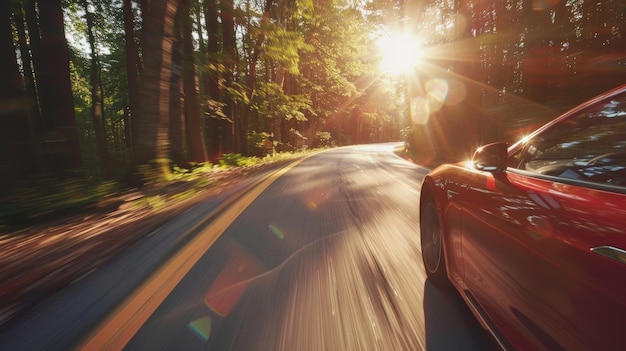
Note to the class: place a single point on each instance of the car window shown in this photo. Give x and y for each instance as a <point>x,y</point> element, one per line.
<point>589,146</point>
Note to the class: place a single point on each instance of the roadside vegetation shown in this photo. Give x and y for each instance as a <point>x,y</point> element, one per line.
<point>44,199</point>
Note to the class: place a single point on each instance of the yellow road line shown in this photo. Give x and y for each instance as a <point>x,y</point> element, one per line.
<point>121,325</point>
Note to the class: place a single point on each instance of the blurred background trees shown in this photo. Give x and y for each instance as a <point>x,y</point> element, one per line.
<point>98,88</point>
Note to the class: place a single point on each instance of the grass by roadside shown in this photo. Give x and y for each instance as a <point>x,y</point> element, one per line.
<point>44,199</point>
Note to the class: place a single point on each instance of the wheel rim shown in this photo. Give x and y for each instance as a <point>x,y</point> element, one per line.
<point>431,238</point>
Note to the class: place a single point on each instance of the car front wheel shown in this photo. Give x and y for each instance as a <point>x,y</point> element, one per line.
<point>432,244</point>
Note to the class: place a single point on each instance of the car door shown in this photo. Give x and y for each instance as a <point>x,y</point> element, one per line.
<point>544,243</point>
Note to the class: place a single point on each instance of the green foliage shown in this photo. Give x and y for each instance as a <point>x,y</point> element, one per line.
<point>337,61</point>
<point>192,171</point>
<point>238,92</point>
<point>108,30</point>
<point>214,109</point>
<point>260,143</point>
<point>237,160</point>
<point>284,48</point>
<point>46,198</point>
<point>271,102</point>
<point>155,202</point>
<point>323,139</point>
<point>156,171</point>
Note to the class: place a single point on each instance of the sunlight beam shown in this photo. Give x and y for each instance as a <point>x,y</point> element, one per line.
<point>400,53</point>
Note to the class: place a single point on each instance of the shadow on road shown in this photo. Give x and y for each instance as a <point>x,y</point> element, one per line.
<point>450,325</point>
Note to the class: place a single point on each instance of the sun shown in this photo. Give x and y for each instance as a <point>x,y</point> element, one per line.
<point>400,53</point>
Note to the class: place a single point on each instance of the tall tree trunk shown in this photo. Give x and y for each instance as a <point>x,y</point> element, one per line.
<point>153,117</point>
<point>32,104</point>
<point>14,155</point>
<point>41,126</point>
<point>193,124</point>
<point>177,125</point>
<point>201,45</point>
<point>55,88</point>
<point>97,115</point>
<point>230,135</point>
<point>34,36</point>
<point>211,78</point>
<point>132,72</point>
<point>29,78</point>
<point>254,58</point>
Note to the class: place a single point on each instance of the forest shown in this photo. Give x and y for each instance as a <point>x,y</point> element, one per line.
<point>100,90</point>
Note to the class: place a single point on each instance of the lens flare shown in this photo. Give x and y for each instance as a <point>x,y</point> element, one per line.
<point>438,93</point>
<point>437,89</point>
<point>420,110</point>
<point>279,233</point>
<point>201,327</point>
<point>456,93</point>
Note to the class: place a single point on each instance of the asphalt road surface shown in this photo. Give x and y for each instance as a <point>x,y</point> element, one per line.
<point>322,256</point>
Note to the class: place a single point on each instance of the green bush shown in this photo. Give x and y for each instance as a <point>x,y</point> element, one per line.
<point>237,160</point>
<point>260,144</point>
<point>323,139</point>
<point>46,197</point>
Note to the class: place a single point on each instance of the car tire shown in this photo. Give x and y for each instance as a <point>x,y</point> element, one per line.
<point>431,236</point>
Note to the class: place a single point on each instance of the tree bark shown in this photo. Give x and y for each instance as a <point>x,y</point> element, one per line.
<point>55,89</point>
<point>193,124</point>
<point>14,134</point>
<point>211,78</point>
<point>177,125</point>
<point>153,117</point>
<point>254,58</point>
<point>97,115</point>
<point>132,72</point>
<point>34,36</point>
<point>29,78</point>
<point>230,131</point>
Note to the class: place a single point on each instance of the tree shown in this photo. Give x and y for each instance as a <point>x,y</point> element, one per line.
<point>97,102</point>
<point>153,117</point>
<point>331,68</point>
<point>211,74</point>
<point>253,59</point>
<point>36,128</point>
<point>230,127</point>
<point>177,102</point>
<point>195,138</point>
<point>14,148</point>
<point>132,73</point>
<point>55,89</point>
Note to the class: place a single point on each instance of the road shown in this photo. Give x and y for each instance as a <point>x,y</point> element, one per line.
<point>324,256</point>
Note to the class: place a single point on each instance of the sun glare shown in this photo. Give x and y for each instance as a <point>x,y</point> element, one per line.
<point>400,53</point>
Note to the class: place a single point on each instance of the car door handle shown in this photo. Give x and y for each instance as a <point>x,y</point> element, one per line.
<point>450,194</point>
<point>611,252</point>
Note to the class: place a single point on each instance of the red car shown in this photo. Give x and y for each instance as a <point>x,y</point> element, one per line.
<point>533,236</point>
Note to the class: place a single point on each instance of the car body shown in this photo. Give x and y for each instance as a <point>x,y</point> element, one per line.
<point>533,236</point>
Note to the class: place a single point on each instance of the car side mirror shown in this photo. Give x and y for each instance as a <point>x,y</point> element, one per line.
<point>491,157</point>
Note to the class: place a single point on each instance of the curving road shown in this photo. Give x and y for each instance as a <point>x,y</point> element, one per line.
<point>324,257</point>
